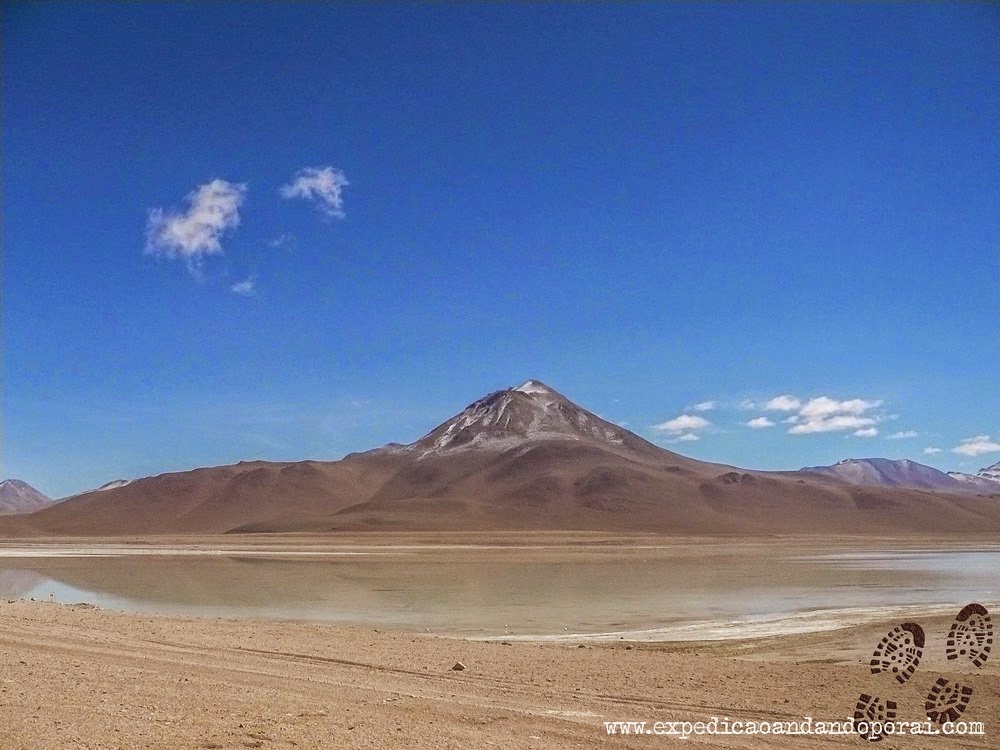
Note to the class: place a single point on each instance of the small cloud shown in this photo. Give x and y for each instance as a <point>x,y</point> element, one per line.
<point>247,287</point>
<point>837,423</point>
<point>932,451</point>
<point>324,185</point>
<point>282,241</point>
<point>747,405</point>
<point>783,403</point>
<point>867,432</point>
<point>704,406</point>
<point>902,435</point>
<point>759,423</point>
<point>213,209</point>
<point>976,446</point>
<point>683,422</point>
<point>687,438</point>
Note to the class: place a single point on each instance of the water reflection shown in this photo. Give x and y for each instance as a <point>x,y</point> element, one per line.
<point>517,591</point>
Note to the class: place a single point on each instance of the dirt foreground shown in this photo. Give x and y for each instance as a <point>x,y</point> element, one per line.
<point>78,677</point>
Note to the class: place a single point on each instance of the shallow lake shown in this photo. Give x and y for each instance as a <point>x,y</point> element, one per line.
<point>666,590</point>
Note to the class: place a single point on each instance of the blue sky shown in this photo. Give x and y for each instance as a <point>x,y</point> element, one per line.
<point>647,206</point>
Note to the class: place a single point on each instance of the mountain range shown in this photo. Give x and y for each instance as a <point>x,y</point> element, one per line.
<point>885,472</point>
<point>525,458</point>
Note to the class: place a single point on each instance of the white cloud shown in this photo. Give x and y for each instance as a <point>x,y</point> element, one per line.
<point>246,287</point>
<point>324,185</point>
<point>704,406</point>
<point>747,405</point>
<point>683,422</point>
<point>213,209</point>
<point>823,406</point>
<point>824,414</point>
<point>977,446</point>
<point>783,403</point>
<point>687,438</point>
<point>931,451</point>
<point>835,423</point>
<point>902,435</point>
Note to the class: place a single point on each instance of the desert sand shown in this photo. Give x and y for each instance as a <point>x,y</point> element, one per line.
<point>74,676</point>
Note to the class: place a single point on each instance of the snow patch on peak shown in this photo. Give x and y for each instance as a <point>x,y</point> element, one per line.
<point>990,472</point>
<point>533,387</point>
<point>114,484</point>
<point>987,478</point>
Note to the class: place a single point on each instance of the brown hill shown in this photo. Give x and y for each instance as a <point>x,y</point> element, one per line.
<point>519,458</point>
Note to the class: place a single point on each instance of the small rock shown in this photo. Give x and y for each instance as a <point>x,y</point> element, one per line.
<point>581,646</point>
<point>504,643</point>
<point>628,648</point>
<point>459,667</point>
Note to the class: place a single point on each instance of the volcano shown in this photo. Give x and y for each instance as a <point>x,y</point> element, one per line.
<point>520,458</point>
<point>513,417</point>
<point>20,497</point>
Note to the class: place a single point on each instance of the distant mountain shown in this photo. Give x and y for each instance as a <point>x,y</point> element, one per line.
<point>884,472</point>
<point>985,479</point>
<point>522,458</point>
<point>20,497</point>
<point>991,472</point>
<point>113,484</point>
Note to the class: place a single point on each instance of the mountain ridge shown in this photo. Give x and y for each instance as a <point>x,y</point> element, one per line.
<point>904,472</point>
<point>522,458</point>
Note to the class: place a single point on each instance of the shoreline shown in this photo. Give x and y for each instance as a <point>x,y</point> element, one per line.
<point>813,622</point>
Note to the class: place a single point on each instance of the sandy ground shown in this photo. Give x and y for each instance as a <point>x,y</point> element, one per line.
<point>78,677</point>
